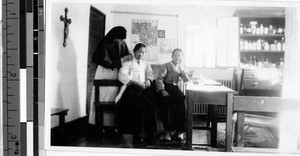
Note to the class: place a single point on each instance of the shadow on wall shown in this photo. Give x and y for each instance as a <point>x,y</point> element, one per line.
<point>68,90</point>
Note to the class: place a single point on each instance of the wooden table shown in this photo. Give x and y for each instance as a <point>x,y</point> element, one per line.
<point>208,94</point>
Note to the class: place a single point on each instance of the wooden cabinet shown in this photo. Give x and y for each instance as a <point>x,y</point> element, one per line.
<point>262,82</point>
<point>261,51</point>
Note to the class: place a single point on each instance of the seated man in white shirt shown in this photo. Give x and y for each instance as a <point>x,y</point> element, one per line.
<point>136,111</point>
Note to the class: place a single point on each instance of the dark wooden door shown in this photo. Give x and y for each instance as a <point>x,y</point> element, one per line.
<point>96,33</point>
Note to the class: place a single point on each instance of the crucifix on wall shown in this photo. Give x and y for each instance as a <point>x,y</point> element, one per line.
<point>67,22</point>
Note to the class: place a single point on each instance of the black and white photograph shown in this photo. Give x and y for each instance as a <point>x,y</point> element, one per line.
<point>182,77</point>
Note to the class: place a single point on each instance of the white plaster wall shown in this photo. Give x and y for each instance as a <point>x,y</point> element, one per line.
<point>65,75</point>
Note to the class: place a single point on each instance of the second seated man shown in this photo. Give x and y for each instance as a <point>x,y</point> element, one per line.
<point>171,104</point>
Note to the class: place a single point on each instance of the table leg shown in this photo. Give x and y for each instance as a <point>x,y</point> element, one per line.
<point>189,123</point>
<point>229,124</point>
<point>214,126</point>
<point>62,119</point>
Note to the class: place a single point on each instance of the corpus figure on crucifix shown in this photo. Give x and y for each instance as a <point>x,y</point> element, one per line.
<point>66,29</point>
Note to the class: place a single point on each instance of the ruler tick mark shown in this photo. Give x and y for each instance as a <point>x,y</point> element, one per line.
<point>13,141</point>
<point>12,79</point>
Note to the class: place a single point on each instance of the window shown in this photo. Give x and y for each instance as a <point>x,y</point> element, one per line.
<point>200,46</point>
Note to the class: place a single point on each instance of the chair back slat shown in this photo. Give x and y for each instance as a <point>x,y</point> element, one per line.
<point>100,107</point>
<point>104,83</point>
<point>264,104</point>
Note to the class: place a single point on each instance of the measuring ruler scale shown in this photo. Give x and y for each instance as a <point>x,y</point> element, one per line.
<point>22,29</point>
<point>11,78</point>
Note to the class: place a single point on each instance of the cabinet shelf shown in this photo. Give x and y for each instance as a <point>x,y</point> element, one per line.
<point>261,51</point>
<point>261,36</point>
<point>254,20</point>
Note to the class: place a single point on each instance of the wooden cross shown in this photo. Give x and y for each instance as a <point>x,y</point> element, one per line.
<point>66,29</point>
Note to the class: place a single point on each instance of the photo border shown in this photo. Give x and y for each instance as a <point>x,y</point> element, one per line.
<point>45,146</point>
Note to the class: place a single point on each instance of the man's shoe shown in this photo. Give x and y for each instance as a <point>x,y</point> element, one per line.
<point>127,141</point>
<point>179,137</point>
<point>167,136</point>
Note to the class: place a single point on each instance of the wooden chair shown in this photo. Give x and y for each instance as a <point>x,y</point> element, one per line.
<point>249,104</point>
<point>100,106</point>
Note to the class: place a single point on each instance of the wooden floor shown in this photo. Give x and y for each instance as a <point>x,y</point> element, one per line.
<point>110,139</point>
<point>86,135</point>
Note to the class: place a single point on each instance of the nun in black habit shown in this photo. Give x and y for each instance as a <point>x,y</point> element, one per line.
<point>109,55</point>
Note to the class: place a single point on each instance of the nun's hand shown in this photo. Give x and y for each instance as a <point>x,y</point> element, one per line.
<point>127,58</point>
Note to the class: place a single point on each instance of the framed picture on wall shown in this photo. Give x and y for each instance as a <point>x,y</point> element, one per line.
<point>161,33</point>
